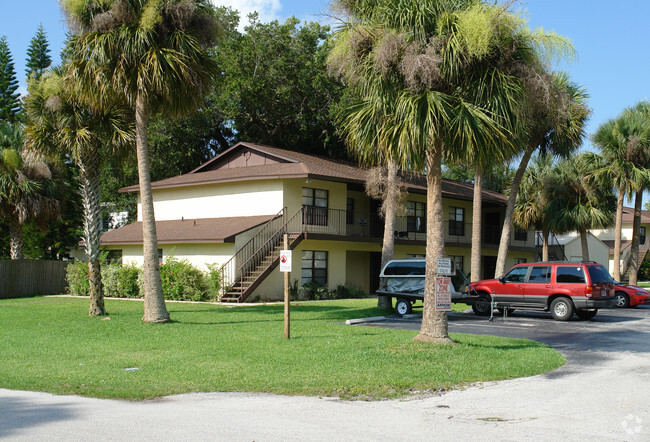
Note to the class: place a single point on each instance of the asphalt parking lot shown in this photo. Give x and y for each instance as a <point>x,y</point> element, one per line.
<point>612,330</point>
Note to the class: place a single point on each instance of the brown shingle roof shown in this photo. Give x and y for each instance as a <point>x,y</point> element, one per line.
<point>188,231</point>
<point>628,215</point>
<point>300,165</point>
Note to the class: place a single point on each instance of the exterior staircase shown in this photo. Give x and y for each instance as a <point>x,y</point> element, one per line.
<point>254,261</point>
<point>555,249</point>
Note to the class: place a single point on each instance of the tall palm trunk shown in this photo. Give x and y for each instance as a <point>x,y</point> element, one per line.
<point>510,210</point>
<point>154,302</point>
<point>15,236</point>
<point>636,233</point>
<point>390,206</point>
<point>434,323</point>
<point>585,245</point>
<point>545,232</point>
<point>477,214</point>
<point>617,234</point>
<point>90,194</point>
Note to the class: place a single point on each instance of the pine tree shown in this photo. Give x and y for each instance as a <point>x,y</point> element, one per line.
<point>9,98</point>
<point>38,54</point>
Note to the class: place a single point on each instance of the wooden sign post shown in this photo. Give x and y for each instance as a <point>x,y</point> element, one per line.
<point>285,267</point>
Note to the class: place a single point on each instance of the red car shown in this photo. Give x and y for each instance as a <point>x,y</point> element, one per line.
<point>630,295</point>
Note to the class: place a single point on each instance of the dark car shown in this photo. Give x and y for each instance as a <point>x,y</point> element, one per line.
<point>562,288</point>
<point>630,295</point>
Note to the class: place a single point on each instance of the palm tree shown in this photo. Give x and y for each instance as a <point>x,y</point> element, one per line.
<point>530,208</point>
<point>556,115</point>
<point>23,187</point>
<point>155,55</point>
<point>623,143</point>
<point>578,200</point>
<point>455,94</point>
<point>59,124</point>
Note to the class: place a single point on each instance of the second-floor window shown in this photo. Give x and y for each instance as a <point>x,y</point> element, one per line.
<point>415,216</point>
<point>457,221</point>
<point>521,235</point>
<point>642,237</point>
<point>315,203</point>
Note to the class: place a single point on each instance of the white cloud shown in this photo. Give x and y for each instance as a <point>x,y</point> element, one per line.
<point>268,9</point>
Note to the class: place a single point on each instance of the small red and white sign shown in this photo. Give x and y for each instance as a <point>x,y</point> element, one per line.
<point>443,294</point>
<point>285,260</point>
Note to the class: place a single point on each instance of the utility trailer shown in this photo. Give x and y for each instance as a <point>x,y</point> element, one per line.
<point>403,279</point>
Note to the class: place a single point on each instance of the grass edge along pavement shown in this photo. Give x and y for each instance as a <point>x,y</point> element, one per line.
<point>50,344</point>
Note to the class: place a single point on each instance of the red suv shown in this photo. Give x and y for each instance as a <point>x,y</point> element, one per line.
<point>563,288</point>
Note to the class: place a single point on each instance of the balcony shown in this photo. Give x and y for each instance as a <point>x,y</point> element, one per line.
<point>370,226</point>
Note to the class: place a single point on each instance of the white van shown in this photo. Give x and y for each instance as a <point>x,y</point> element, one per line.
<point>403,279</point>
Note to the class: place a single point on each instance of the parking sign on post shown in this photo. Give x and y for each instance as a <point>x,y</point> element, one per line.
<point>443,294</point>
<point>285,260</point>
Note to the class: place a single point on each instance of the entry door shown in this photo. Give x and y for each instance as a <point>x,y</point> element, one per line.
<point>489,266</point>
<point>491,228</point>
<point>375,269</point>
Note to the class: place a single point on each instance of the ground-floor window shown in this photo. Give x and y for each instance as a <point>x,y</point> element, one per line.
<point>114,256</point>
<point>520,261</point>
<point>314,267</point>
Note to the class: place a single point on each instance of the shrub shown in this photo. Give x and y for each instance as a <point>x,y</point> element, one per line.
<point>313,291</point>
<point>110,275</point>
<point>345,292</point>
<point>213,281</point>
<point>127,281</point>
<point>182,281</point>
<point>121,281</point>
<point>77,278</point>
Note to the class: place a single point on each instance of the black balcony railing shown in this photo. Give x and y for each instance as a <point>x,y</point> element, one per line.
<point>371,225</point>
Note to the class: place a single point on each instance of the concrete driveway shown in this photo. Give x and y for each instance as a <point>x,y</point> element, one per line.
<point>601,394</point>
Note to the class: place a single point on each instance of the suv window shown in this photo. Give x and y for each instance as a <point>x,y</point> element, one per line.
<point>518,274</point>
<point>599,274</point>
<point>540,275</point>
<point>570,275</point>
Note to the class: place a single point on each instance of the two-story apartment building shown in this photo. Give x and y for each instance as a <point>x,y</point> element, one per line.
<point>233,210</point>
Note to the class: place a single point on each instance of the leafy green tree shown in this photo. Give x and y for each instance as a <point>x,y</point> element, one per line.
<point>38,54</point>
<point>156,55</point>
<point>556,114</point>
<point>25,191</point>
<point>624,143</point>
<point>59,124</point>
<point>9,97</point>
<point>578,200</point>
<point>275,88</point>
<point>455,68</point>
<point>530,208</point>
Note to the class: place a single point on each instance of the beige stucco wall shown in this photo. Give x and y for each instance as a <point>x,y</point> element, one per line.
<point>197,254</point>
<point>218,201</point>
<point>610,234</point>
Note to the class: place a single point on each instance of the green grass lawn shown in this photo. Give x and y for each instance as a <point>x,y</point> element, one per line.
<point>50,344</point>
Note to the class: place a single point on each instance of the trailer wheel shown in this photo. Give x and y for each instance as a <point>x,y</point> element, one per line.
<point>403,306</point>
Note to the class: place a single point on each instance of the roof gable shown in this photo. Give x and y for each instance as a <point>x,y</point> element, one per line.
<point>243,155</point>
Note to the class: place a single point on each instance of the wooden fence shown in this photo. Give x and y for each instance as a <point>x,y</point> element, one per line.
<point>27,277</point>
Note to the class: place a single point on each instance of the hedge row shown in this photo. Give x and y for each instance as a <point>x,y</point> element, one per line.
<point>180,281</point>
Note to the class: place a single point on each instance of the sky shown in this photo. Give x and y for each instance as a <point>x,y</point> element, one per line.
<point>611,40</point>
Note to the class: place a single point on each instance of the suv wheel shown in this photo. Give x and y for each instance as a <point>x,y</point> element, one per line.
<point>403,306</point>
<point>622,300</point>
<point>562,308</point>
<point>586,314</point>
<point>483,306</point>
